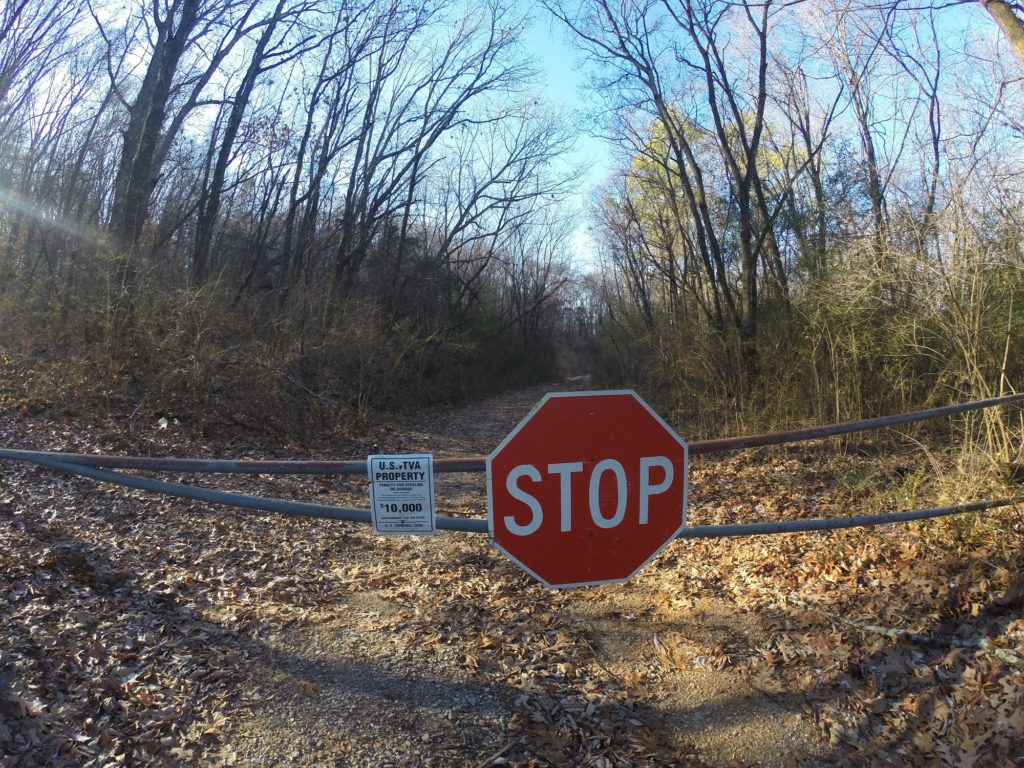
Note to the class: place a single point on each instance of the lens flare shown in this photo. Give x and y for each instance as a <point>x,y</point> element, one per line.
<point>12,202</point>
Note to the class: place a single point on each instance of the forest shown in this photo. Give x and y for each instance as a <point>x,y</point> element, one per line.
<point>320,230</point>
<point>292,213</point>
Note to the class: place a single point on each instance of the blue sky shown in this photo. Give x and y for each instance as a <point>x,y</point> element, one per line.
<point>564,85</point>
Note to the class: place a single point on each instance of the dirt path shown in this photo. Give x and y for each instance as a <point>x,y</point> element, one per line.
<point>442,653</point>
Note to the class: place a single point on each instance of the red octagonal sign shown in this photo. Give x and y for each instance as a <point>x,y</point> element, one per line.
<point>587,488</point>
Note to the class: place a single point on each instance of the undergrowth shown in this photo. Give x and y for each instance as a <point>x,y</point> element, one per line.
<point>213,359</point>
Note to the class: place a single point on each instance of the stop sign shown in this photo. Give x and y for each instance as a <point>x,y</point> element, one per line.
<point>587,488</point>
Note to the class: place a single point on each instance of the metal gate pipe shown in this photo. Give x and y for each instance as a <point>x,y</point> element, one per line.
<point>476,525</point>
<point>846,427</point>
<point>836,523</point>
<point>283,506</point>
<point>228,466</point>
<point>479,463</point>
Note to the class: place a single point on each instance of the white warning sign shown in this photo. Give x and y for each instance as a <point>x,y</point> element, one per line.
<point>402,494</point>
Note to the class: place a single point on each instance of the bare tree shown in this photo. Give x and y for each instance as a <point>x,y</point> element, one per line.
<point>419,90</point>
<point>332,91</point>
<point>534,271</point>
<point>854,41</point>
<point>915,47</point>
<point>492,184</point>
<point>186,42</point>
<point>809,105</point>
<point>35,36</point>
<point>1012,25</point>
<point>663,56</point>
<point>271,50</point>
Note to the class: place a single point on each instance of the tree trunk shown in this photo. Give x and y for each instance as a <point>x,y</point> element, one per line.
<point>210,211</point>
<point>137,171</point>
<point>1011,25</point>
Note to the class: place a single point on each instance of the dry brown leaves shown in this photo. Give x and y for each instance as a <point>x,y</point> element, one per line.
<point>517,638</point>
<point>865,625</point>
<point>127,621</point>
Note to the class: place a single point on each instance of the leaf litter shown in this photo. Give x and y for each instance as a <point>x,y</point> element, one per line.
<point>141,630</point>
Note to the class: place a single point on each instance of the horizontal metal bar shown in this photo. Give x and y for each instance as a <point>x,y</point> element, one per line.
<point>476,525</point>
<point>838,523</point>
<point>229,466</point>
<point>244,501</point>
<point>846,427</point>
<point>479,463</point>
